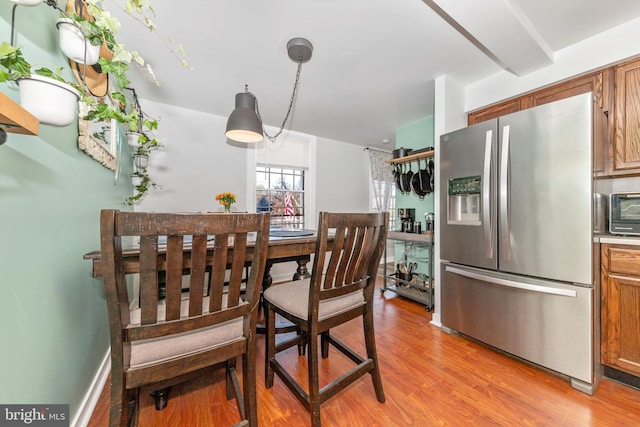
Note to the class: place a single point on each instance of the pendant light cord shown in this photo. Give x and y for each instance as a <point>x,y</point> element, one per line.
<point>293,97</point>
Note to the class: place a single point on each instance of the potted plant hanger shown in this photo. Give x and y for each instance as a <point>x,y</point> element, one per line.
<point>141,183</point>
<point>76,44</point>
<point>51,101</point>
<point>27,2</point>
<point>43,93</point>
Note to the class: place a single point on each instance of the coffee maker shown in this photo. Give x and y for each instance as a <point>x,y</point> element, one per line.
<point>407,217</point>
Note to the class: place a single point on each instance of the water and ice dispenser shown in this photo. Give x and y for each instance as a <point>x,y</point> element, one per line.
<point>463,202</point>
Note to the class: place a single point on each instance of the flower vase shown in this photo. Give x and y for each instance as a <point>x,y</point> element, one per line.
<point>227,208</point>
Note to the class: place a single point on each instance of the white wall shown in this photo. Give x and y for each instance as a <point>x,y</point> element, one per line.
<point>342,177</point>
<point>198,162</point>
<point>448,116</point>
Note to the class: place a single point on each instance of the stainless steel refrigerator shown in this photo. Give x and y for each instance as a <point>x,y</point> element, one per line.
<point>518,260</point>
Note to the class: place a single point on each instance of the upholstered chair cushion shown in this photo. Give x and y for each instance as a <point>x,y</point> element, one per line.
<point>293,297</point>
<point>151,351</point>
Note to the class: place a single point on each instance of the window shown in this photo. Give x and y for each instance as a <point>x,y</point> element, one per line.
<point>381,189</point>
<point>280,191</point>
<point>283,180</point>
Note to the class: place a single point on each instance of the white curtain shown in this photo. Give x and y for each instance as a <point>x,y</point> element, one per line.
<point>381,177</point>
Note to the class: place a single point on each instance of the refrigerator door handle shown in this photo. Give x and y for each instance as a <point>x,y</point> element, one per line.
<point>512,283</point>
<point>486,196</point>
<point>504,194</point>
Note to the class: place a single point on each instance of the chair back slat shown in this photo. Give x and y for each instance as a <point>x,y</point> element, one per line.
<point>345,255</point>
<point>149,279</point>
<point>334,259</point>
<point>237,269</point>
<point>173,284</point>
<point>220,250</point>
<point>352,256</point>
<point>197,279</point>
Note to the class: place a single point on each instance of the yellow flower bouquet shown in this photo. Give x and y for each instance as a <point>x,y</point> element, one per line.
<point>226,199</point>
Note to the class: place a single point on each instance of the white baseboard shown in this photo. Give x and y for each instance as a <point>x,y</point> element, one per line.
<point>435,320</point>
<point>93,394</point>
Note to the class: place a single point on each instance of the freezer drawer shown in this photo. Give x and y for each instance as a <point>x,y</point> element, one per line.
<point>548,323</point>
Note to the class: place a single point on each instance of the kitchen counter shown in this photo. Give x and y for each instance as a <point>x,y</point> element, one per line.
<point>617,239</point>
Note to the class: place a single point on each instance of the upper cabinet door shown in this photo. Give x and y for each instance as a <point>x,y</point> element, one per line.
<point>598,83</point>
<point>497,110</point>
<point>626,144</point>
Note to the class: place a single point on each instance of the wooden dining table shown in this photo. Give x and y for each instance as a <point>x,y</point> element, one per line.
<point>281,249</point>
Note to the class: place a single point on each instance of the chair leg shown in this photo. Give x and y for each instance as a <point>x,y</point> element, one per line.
<point>229,365</point>
<point>250,398</point>
<point>314,382</point>
<point>161,398</point>
<point>119,405</point>
<point>370,343</point>
<point>134,407</point>
<point>302,345</point>
<point>324,341</point>
<point>270,344</point>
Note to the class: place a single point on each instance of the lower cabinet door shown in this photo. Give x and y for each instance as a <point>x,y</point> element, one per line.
<point>621,323</point>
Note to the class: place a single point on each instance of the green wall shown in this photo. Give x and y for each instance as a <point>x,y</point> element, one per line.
<point>54,330</point>
<point>415,135</point>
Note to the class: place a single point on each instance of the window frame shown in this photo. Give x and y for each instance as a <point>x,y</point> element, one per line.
<point>281,218</point>
<point>310,217</point>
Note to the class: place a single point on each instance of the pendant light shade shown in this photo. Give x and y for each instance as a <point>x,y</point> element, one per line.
<point>243,124</point>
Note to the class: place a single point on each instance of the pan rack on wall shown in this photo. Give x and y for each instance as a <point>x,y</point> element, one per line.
<point>420,183</point>
<point>412,157</point>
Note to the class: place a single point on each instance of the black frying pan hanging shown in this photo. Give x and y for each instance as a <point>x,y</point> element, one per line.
<point>406,180</point>
<point>419,180</point>
<point>432,176</point>
<point>397,172</point>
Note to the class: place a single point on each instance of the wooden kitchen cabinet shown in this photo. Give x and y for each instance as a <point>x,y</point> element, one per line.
<point>600,83</point>
<point>497,110</point>
<point>626,142</point>
<point>620,311</point>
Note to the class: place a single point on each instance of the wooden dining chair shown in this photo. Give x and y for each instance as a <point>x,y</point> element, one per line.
<point>340,289</point>
<point>156,342</point>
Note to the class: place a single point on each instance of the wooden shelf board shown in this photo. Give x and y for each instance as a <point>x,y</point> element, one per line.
<point>412,157</point>
<point>15,119</point>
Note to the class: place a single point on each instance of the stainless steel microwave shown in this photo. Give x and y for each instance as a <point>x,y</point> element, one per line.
<point>624,213</point>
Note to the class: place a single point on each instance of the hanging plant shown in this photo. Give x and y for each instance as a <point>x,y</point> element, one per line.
<point>142,183</point>
<point>43,92</point>
<point>75,44</point>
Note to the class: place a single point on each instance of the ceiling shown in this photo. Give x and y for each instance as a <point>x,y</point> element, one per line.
<point>374,62</point>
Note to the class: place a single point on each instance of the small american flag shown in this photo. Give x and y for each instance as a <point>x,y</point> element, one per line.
<point>288,204</point>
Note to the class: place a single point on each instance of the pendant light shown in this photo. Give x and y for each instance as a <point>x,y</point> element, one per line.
<point>244,123</point>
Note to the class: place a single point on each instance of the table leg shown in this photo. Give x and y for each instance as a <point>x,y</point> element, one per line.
<point>267,281</point>
<point>302,272</point>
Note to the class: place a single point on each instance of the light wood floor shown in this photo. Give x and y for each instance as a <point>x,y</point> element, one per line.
<point>430,379</point>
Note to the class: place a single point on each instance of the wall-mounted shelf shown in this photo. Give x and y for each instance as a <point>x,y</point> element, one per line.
<point>412,157</point>
<point>15,119</point>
